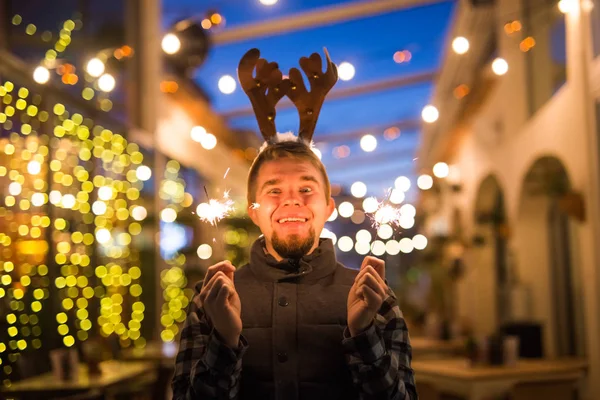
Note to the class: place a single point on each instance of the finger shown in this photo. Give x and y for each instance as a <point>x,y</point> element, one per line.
<point>224,266</point>
<point>376,263</point>
<point>370,270</point>
<point>371,297</point>
<point>222,296</point>
<point>372,282</point>
<point>220,275</point>
<point>205,290</point>
<point>373,271</point>
<point>214,290</point>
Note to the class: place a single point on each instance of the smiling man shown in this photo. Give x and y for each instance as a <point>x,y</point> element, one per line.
<point>294,200</point>
<point>294,323</point>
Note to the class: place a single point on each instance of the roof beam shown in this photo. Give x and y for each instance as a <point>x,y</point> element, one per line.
<point>366,88</point>
<point>348,136</point>
<point>321,16</point>
<point>363,174</point>
<point>370,158</point>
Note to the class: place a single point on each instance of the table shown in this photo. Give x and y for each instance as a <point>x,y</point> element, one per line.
<point>456,376</point>
<point>113,373</point>
<point>159,352</point>
<point>424,347</point>
<point>162,356</point>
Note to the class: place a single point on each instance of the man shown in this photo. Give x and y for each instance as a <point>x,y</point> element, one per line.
<point>293,323</point>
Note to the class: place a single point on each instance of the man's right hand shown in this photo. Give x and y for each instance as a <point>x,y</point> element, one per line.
<point>221,302</point>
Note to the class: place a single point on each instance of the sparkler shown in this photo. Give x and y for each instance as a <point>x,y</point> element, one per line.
<point>385,213</point>
<point>215,210</point>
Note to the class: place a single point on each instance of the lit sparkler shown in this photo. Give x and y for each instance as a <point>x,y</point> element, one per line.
<point>254,206</point>
<point>385,213</point>
<point>215,210</point>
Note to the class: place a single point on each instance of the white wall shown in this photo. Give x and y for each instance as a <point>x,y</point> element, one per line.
<point>561,128</point>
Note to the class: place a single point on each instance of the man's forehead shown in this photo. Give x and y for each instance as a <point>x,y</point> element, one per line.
<point>288,168</point>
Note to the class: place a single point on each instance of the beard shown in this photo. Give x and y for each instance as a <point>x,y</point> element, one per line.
<point>294,246</point>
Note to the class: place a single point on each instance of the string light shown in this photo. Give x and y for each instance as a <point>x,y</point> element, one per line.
<point>441,170</point>
<point>95,67</point>
<point>346,209</point>
<point>346,71</point>
<point>430,114</point>
<point>50,187</point>
<point>460,45</point>
<point>358,189</point>
<point>368,143</point>
<point>567,6</point>
<point>402,183</point>
<point>425,182</point>
<point>208,141</point>
<point>197,133</point>
<point>106,83</point>
<point>227,84</point>
<point>500,66</point>
<point>171,43</point>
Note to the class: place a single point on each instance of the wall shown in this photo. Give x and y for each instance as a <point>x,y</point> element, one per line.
<point>173,138</point>
<point>561,128</point>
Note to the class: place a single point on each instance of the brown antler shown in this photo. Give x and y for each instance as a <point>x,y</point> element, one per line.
<point>264,90</point>
<point>309,103</point>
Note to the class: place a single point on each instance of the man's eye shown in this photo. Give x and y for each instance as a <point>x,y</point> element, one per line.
<point>306,190</point>
<point>274,191</point>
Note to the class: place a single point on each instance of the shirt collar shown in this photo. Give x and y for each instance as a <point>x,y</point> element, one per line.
<point>318,264</point>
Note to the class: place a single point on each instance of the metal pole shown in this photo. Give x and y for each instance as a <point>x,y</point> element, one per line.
<point>321,16</point>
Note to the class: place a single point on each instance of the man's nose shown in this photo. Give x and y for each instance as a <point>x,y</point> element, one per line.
<point>292,199</point>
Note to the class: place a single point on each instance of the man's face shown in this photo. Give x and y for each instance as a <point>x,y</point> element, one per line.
<point>292,207</point>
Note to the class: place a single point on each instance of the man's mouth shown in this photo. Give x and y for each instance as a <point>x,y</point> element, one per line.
<point>291,220</point>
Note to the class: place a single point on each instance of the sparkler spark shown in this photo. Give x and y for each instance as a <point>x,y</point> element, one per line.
<point>254,206</point>
<point>215,210</point>
<point>226,172</point>
<point>385,213</point>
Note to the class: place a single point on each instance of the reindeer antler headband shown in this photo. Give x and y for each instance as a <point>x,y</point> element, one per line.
<point>268,87</point>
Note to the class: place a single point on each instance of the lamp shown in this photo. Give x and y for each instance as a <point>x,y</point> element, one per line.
<point>195,44</point>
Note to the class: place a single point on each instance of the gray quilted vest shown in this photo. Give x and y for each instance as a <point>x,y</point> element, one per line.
<point>293,317</point>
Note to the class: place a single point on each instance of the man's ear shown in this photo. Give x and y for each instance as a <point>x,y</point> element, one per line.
<point>330,207</point>
<point>252,214</point>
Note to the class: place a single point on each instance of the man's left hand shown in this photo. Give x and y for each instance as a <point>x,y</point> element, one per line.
<point>366,295</point>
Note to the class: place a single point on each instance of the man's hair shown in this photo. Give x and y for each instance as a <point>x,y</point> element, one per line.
<point>280,150</point>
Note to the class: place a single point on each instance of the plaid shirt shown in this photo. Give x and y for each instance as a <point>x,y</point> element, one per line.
<point>379,358</point>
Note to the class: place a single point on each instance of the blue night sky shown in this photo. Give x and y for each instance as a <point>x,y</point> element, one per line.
<point>369,44</point>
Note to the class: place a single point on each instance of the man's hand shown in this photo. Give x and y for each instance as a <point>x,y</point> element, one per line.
<point>221,302</point>
<point>366,295</point>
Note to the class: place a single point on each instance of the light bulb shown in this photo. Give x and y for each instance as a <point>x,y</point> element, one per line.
<point>430,114</point>
<point>171,43</point>
<point>95,67</point>
<point>460,45</point>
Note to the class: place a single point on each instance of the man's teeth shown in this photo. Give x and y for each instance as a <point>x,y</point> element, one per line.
<point>283,220</point>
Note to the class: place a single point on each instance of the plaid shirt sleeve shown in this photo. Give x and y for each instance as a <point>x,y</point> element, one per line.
<point>379,358</point>
<point>205,368</point>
